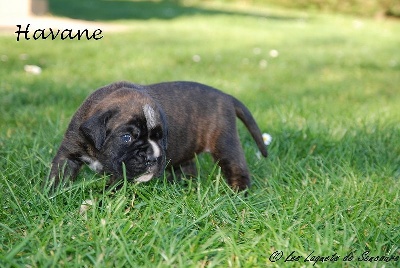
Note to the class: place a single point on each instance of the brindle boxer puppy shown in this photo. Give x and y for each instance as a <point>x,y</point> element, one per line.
<point>145,127</point>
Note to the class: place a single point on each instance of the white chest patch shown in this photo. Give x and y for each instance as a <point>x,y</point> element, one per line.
<point>150,115</point>
<point>93,164</point>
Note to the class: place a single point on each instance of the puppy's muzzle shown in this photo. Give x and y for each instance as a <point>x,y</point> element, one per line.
<point>151,160</point>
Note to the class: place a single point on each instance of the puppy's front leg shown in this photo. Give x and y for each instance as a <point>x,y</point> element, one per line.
<point>187,169</point>
<point>62,168</point>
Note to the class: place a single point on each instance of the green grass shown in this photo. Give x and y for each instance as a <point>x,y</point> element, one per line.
<point>330,100</point>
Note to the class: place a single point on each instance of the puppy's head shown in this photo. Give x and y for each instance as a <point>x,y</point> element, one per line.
<point>130,132</point>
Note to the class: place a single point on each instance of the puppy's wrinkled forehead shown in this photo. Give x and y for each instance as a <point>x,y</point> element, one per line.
<point>150,115</point>
<point>131,105</point>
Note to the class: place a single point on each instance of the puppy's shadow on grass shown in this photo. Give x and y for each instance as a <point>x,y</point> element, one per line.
<point>101,10</point>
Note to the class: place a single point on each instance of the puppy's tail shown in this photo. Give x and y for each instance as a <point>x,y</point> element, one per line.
<point>244,114</point>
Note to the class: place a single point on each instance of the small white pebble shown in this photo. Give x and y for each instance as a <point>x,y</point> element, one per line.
<point>274,53</point>
<point>267,138</point>
<point>33,69</point>
<point>86,205</point>
<point>263,64</point>
<point>196,58</point>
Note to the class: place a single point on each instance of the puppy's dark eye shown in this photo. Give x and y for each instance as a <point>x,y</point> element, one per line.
<point>126,138</point>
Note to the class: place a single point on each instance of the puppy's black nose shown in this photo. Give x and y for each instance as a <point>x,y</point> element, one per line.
<point>151,160</point>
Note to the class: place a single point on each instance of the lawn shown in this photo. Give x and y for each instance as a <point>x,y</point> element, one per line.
<point>326,87</point>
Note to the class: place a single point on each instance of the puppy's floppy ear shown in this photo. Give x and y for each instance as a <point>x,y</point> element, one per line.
<point>95,128</point>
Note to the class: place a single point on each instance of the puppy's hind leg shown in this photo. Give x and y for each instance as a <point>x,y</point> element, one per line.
<point>230,157</point>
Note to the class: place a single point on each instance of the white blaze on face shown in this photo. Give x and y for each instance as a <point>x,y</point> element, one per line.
<point>156,149</point>
<point>151,120</point>
<point>150,115</point>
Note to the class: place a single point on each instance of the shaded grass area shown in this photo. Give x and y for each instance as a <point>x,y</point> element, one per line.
<point>330,185</point>
<point>123,10</point>
<point>144,10</point>
<point>100,10</point>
